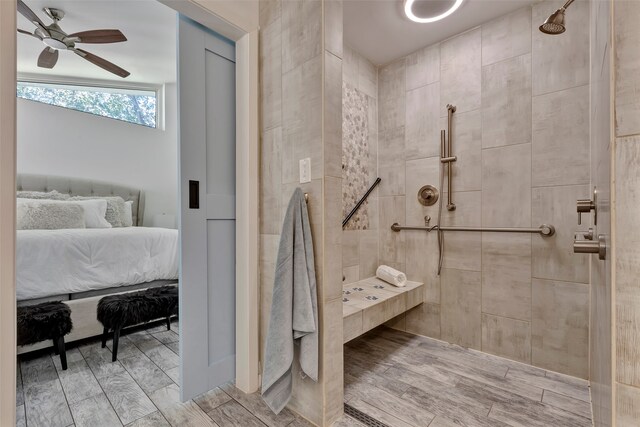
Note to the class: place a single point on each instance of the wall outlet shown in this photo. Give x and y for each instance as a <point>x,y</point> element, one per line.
<point>305,170</point>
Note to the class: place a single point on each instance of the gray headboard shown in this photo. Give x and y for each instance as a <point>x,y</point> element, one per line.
<point>84,187</point>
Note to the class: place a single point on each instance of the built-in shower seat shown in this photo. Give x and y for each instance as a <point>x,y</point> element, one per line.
<point>371,302</point>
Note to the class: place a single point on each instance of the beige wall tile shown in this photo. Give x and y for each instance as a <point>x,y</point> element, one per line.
<point>271,73</point>
<point>391,93</point>
<point>460,308</point>
<point>368,253</point>
<point>506,102</point>
<point>627,54</point>
<point>560,147</point>
<point>423,67</point>
<point>377,314</point>
<point>506,275</point>
<point>367,77</point>
<point>391,168</point>
<point>462,250</point>
<point>422,129</point>
<point>333,40</point>
<point>507,36</point>
<point>392,244</point>
<point>505,337</point>
<point>460,72</point>
<point>270,10</point>
<point>352,326</point>
<point>350,66</point>
<point>553,257</point>
<point>466,145</point>
<point>332,140</point>
<point>350,248</point>
<point>506,186</point>
<point>627,405</point>
<point>419,173</point>
<point>332,238</point>
<point>331,360</point>
<point>301,32</point>
<point>627,260</point>
<point>270,181</point>
<point>424,320</point>
<point>466,212</point>
<point>560,327</point>
<point>302,119</point>
<point>561,61</point>
<point>351,274</point>
<point>422,263</point>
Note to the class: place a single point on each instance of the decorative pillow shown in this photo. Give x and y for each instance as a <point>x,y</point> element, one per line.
<point>51,195</point>
<point>94,212</point>
<point>48,215</point>
<point>127,220</point>
<point>115,208</point>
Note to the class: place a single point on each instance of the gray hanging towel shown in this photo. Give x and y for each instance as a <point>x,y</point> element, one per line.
<point>294,308</point>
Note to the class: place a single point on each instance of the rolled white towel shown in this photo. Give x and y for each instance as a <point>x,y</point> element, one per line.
<point>391,275</point>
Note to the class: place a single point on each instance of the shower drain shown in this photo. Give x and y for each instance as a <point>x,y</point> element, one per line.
<point>362,417</point>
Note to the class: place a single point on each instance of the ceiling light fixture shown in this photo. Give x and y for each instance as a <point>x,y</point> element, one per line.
<point>408,10</point>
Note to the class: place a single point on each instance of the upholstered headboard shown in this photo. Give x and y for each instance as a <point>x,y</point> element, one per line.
<point>84,187</point>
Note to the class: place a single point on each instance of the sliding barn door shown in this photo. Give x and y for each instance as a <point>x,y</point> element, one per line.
<point>206,86</point>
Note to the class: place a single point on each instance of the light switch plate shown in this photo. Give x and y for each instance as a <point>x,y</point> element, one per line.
<point>305,170</point>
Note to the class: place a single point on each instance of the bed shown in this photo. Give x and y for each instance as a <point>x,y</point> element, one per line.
<point>79,266</point>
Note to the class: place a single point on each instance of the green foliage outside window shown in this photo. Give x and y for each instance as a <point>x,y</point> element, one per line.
<point>139,107</point>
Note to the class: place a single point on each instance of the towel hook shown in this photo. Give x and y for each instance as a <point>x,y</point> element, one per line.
<point>306,197</point>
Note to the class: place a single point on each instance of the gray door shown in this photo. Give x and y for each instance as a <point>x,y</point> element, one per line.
<point>206,88</point>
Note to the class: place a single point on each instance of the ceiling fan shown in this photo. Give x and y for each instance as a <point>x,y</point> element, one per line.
<point>56,40</point>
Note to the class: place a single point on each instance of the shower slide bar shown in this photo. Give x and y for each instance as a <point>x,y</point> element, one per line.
<point>545,230</point>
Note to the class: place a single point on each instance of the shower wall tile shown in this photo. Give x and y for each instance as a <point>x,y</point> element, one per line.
<point>553,257</point>
<point>270,10</point>
<point>271,73</point>
<point>507,37</point>
<point>506,275</point>
<point>560,61</point>
<point>627,34</point>
<point>466,146</point>
<point>560,327</point>
<point>422,263</point>
<point>392,244</point>
<point>506,337</point>
<point>350,248</point>
<point>461,72</point>
<point>506,102</point>
<point>422,137</point>
<point>301,115</point>
<point>333,28</point>
<point>506,186</point>
<point>466,213</point>
<point>391,164</point>
<point>332,126</point>
<point>301,32</point>
<point>463,250</point>
<point>419,173</point>
<point>424,320</point>
<point>270,182</point>
<point>367,77</point>
<point>423,67</point>
<point>351,274</point>
<point>560,147</point>
<point>391,95</point>
<point>350,66</point>
<point>460,308</point>
<point>368,253</point>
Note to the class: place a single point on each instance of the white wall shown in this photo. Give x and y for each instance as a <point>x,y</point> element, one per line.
<point>58,141</point>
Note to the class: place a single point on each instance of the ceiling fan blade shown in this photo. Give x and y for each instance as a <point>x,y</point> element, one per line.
<point>99,36</point>
<point>29,34</point>
<point>48,58</point>
<point>29,14</point>
<point>102,63</point>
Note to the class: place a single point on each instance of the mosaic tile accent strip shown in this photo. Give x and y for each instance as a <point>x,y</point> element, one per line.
<point>355,155</point>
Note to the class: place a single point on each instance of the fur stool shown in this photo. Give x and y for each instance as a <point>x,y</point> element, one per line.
<point>119,311</point>
<point>46,321</point>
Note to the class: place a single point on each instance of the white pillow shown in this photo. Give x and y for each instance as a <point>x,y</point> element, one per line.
<point>48,215</point>
<point>94,210</point>
<point>127,220</point>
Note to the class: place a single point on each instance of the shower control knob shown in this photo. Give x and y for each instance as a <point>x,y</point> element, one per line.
<point>584,235</point>
<point>591,247</point>
<point>586,206</point>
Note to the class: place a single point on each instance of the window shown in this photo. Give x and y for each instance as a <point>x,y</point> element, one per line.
<point>133,106</point>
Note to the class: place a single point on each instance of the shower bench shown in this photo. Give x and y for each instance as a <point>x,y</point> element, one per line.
<point>371,302</point>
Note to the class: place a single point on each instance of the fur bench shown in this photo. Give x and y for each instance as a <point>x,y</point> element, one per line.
<point>46,321</point>
<point>116,312</point>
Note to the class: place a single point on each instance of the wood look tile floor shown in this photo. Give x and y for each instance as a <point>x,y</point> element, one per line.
<point>400,379</point>
<point>408,381</point>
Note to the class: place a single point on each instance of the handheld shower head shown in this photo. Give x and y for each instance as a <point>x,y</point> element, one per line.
<point>555,23</point>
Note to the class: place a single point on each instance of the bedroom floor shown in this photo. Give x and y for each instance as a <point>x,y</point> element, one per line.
<point>408,381</point>
<point>140,389</point>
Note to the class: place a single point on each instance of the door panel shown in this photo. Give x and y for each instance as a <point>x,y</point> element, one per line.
<point>206,88</point>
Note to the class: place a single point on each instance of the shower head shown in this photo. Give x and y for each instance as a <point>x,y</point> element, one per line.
<point>555,23</point>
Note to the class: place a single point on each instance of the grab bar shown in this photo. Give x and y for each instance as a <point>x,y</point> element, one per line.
<point>545,230</point>
<point>360,202</point>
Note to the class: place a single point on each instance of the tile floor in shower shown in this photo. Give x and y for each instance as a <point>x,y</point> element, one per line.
<point>397,378</point>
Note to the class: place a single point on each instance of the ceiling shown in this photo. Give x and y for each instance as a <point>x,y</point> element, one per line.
<point>379,29</point>
<point>149,54</point>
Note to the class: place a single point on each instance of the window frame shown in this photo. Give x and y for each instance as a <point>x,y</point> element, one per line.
<point>158,89</point>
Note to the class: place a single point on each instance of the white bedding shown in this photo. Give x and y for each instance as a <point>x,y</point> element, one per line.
<point>54,262</point>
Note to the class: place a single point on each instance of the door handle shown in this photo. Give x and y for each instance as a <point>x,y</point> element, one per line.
<point>591,247</point>
<point>194,194</point>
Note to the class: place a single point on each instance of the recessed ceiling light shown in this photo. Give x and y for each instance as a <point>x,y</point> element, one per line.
<point>408,10</point>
